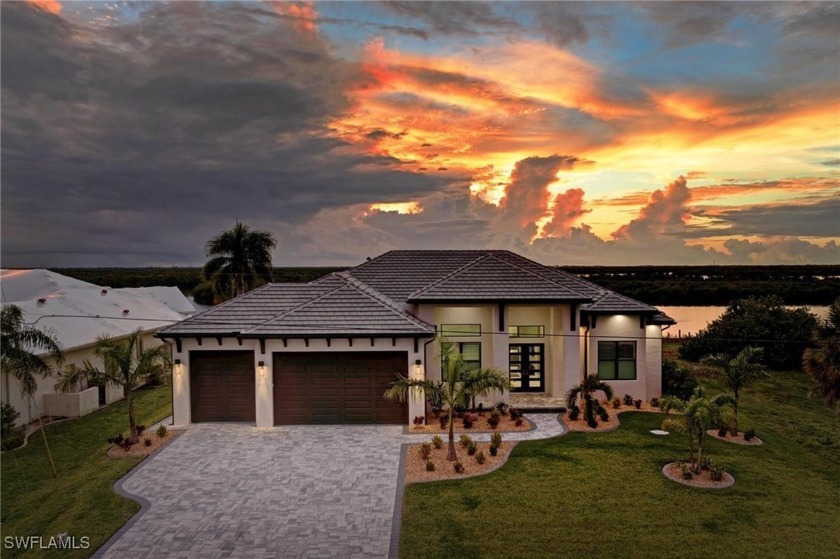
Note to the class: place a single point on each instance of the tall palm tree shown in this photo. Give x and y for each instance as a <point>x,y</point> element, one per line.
<point>698,415</point>
<point>585,391</point>
<point>126,364</point>
<point>738,372</point>
<point>18,344</point>
<point>454,391</point>
<point>822,362</point>
<point>240,259</point>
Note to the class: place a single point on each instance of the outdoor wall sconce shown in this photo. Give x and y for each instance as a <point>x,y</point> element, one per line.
<point>177,366</point>
<point>418,369</point>
<point>261,366</point>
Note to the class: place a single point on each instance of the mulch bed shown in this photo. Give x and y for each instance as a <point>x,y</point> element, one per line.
<point>415,466</point>
<point>703,480</point>
<point>737,439</point>
<point>140,449</point>
<point>506,425</point>
<point>612,423</point>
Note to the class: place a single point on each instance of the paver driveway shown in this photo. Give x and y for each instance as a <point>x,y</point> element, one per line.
<point>229,490</point>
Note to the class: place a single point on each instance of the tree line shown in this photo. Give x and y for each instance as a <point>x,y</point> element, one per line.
<point>655,285</point>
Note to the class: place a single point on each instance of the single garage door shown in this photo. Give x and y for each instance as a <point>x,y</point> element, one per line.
<point>222,386</point>
<point>343,387</point>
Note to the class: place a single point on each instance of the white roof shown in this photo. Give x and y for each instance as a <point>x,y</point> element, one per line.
<point>76,312</point>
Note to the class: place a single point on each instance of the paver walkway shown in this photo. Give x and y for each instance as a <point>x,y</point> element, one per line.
<point>233,490</point>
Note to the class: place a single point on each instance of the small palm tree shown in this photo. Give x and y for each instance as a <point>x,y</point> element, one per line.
<point>240,259</point>
<point>699,414</point>
<point>126,364</point>
<point>18,344</point>
<point>738,372</point>
<point>455,389</point>
<point>478,381</point>
<point>822,362</point>
<point>585,392</point>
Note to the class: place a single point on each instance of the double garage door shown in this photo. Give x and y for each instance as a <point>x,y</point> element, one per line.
<point>340,387</point>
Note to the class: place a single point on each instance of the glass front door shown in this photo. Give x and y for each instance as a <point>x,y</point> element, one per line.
<point>527,367</point>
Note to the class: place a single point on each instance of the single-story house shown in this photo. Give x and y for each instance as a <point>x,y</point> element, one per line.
<point>325,351</point>
<point>76,312</point>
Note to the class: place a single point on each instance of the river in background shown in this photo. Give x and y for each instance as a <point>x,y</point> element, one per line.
<point>691,320</point>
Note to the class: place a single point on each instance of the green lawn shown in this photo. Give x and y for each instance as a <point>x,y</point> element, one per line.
<point>602,494</point>
<point>81,501</point>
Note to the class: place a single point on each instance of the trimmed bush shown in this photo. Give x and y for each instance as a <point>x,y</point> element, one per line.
<point>425,450</point>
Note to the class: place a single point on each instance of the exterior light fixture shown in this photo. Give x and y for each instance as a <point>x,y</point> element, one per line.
<point>261,366</point>
<point>177,366</point>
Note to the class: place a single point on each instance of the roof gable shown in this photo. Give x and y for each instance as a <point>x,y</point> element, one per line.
<point>335,305</point>
<point>352,308</point>
<point>492,277</point>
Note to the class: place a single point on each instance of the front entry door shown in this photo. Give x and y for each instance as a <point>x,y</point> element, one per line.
<point>527,367</point>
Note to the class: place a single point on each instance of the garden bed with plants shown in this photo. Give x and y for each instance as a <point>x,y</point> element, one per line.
<point>606,414</point>
<point>148,444</point>
<point>710,475</point>
<point>427,461</point>
<point>499,418</point>
<point>747,438</point>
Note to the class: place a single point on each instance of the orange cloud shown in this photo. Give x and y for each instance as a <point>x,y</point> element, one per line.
<point>665,213</point>
<point>51,6</point>
<point>303,14</point>
<point>566,209</point>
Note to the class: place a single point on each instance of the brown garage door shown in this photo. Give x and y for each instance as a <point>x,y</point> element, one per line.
<point>222,386</point>
<point>344,387</point>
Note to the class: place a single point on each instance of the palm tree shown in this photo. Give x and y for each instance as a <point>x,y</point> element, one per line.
<point>738,372</point>
<point>822,362</point>
<point>18,342</point>
<point>126,364</point>
<point>454,391</point>
<point>240,259</point>
<point>585,390</point>
<point>699,414</point>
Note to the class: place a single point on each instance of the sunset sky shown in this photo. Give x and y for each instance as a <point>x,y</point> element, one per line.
<point>572,133</point>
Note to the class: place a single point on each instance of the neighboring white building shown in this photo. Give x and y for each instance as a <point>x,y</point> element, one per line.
<point>76,313</point>
<point>324,352</point>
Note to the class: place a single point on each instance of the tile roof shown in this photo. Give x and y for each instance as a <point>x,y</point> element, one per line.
<point>492,277</point>
<point>335,305</point>
<point>612,302</point>
<point>368,299</point>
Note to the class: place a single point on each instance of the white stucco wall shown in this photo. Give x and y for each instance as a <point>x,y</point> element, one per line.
<point>648,354</point>
<point>29,411</point>
<point>264,396</point>
<point>563,365</point>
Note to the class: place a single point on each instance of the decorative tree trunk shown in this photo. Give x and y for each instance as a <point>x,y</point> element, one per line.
<point>133,438</point>
<point>450,454</point>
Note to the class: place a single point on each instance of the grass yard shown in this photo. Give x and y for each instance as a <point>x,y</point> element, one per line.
<point>81,501</point>
<point>602,494</point>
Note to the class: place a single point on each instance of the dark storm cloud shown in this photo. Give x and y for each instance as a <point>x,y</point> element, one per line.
<point>147,137</point>
<point>454,18</point>
<point>801,220</point>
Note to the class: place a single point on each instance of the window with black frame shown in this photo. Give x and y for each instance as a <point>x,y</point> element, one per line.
<point>617,360</point>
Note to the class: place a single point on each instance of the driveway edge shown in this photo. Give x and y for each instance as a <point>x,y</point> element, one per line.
<point>396,519</point>
<point>145,505</point>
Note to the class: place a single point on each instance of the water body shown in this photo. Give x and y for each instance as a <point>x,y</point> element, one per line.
<point>691,320</point>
